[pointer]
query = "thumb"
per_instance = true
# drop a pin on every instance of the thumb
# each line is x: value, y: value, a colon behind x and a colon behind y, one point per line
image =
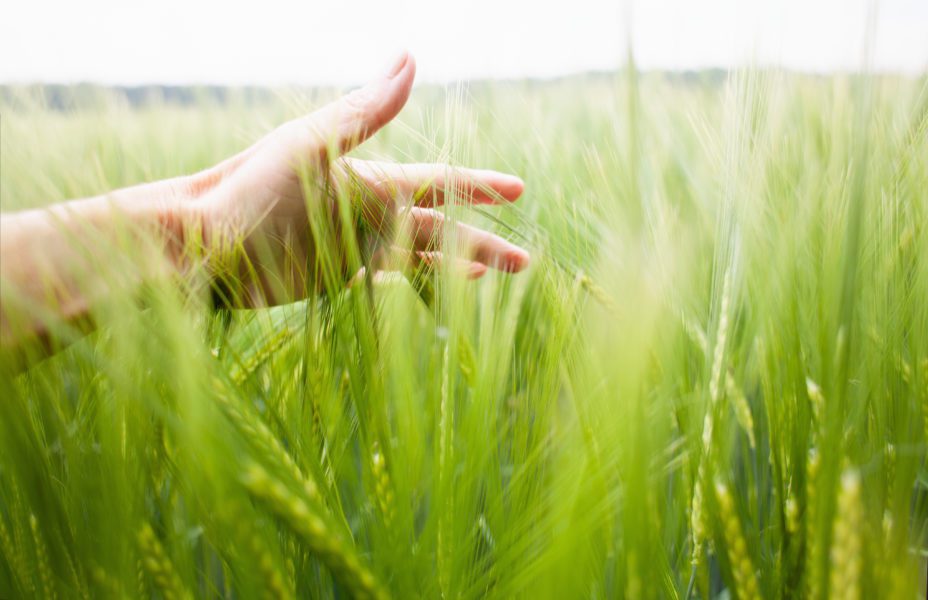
x: 353, y: 118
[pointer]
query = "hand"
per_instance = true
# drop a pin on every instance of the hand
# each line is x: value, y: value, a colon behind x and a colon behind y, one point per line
x: 287, y: 217
x: 262, y: 201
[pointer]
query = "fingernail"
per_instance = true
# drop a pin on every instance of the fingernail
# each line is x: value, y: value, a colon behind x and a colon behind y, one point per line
x: 398, y: 63
x: 476, y: 270
x: 514, y: 188
x: 516, y: 260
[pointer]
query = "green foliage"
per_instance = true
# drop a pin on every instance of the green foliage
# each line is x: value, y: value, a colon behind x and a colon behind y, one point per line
x: 713, y: 379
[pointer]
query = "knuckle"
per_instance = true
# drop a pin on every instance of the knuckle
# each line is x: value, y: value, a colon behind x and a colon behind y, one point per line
x: 357, y: 102
x: 300, y: 133
x: 356, y: 107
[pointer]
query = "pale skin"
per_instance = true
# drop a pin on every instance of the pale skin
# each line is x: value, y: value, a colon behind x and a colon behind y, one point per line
x: 256, y: 199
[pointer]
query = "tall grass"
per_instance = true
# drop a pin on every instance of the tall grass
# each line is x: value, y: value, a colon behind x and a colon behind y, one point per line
x: 714, y: 377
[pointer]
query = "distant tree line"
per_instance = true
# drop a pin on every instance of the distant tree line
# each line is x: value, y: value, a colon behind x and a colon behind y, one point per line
x: 85, y: 96
x: 82, y: 96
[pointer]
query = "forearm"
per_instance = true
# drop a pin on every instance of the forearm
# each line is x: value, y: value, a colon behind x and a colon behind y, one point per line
x: 58, y: 263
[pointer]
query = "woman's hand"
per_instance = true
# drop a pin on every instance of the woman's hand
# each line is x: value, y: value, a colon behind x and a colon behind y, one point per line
x: 266, y: 217
x: 260, y: 201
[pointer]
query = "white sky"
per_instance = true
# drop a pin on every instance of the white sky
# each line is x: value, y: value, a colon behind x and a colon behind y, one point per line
x: 344, y: 42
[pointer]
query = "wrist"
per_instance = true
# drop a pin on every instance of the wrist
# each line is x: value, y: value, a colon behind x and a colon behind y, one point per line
x: 181, y: 220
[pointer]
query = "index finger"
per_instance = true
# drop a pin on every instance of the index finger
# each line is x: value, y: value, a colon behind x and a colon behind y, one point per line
x: 434, y: 184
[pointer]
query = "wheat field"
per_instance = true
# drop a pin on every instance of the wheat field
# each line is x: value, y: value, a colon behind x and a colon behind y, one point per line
x: 712, y: 382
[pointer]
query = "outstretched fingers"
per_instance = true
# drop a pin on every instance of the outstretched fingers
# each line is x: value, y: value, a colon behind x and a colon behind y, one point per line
x: 425, y: 184
x: 403, y: 259
x: 428, y: 232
